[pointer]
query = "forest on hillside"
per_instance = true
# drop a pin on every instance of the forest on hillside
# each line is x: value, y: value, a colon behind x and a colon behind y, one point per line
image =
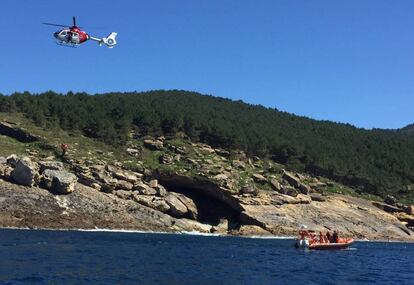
x: 375, y: 161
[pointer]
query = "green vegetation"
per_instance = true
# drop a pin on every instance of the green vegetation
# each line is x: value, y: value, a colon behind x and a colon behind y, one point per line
x: 372, y: 161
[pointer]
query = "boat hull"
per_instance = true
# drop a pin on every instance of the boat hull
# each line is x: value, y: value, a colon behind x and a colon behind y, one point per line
x: 331, y: 246
x: 342, y: 244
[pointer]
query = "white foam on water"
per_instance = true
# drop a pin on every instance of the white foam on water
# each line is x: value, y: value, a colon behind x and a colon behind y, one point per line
x: 269, y: 237
x: 120, y: 231
x: 195, y: 233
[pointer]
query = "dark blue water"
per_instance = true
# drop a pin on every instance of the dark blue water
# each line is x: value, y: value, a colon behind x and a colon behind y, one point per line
x: 68, y: 257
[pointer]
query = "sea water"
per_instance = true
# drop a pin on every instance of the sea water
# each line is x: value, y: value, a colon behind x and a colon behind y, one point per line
x: 77, y: 257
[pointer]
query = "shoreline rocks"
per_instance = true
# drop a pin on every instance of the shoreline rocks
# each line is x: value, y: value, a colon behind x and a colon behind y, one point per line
x: 155, y: 196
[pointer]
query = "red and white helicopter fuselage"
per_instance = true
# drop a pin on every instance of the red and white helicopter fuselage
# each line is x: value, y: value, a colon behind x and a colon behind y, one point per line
x: 74, y: 36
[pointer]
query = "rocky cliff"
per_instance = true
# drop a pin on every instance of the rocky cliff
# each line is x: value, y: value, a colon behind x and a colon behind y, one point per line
x: 175, y: 185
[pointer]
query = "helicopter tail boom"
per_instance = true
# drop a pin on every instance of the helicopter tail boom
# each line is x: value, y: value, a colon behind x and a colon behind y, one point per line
x: 109, y: 41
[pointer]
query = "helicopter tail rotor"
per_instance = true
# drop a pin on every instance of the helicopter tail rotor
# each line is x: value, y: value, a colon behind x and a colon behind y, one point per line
x: 109, y: 41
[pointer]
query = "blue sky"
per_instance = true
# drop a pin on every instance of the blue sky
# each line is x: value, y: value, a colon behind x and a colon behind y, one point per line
x: 348, y: 61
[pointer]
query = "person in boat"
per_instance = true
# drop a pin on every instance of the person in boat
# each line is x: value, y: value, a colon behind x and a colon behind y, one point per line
x: 321, y: 238
x: 328, y: 236
x: 335, y: 237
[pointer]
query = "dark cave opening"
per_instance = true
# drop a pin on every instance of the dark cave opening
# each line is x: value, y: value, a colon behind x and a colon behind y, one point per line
x: 210, y: 209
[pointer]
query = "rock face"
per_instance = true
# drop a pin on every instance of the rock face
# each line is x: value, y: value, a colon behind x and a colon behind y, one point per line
x: 25, y: 172
x: 150, y: 198
x: 250, y: 230
x: 192, y: 211
x: 63, y: 182
x: 85, y: 208
x: 351, y: 216
x: 177, y: 208
x: 17, y: 133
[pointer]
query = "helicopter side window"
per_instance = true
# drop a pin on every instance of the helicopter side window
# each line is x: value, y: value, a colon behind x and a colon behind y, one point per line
x: 63, y: 33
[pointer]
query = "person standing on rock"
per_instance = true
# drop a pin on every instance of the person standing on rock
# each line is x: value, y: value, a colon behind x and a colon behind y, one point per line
x: 64, y: 148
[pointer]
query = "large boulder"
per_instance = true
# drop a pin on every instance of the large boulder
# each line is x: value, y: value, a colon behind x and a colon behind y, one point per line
x: 161, y: 191
x: 144, y: 189
x: 291, y: 179
x: 106, y: 188
x: 5, y: 169
x: 390, y: 200
x: 60, y: 181
x: 410, y: 209
x: 221, y: 177
x: 305, y: 189
x: 103, y: 178
x: 153, y: 144
x: 387, y: 207
x: 222, y: 152
x: 125, y: 175
x: 404, y: 217
x: 192, y: 211
x: 191, y: 226
x: 252, y: 230
x: 275, y: 184
x: 177, y: 208
x: 52, y: 165
x: 25, y: 172
x: 86, y: 179
x: 239, y: 164
x: 166, y: 159
x: 207, y: 149
x: 132, y: 151
x: 153, y: 183
x: 294, y: 181
x: 288, y: 190
x: 317, y: 197
x: 3, y: 160
x: 123, y: 185
x: 177, y: 149
x: 155, y: 203
x: 12, y: 160
x: 248, y: 189
x: 222, y: 227
x: 259, y: 178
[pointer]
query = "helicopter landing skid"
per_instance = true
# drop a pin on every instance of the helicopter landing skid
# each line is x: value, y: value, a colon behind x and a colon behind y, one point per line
x: 65, y: 44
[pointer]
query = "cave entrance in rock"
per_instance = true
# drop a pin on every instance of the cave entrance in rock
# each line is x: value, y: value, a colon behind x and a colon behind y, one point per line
x: 210, y: 209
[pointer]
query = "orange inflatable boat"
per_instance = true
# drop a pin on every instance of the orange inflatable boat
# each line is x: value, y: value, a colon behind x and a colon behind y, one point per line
x: 309, y: 239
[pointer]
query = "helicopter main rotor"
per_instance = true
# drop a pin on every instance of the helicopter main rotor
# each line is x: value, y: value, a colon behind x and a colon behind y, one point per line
x: 64, y: 26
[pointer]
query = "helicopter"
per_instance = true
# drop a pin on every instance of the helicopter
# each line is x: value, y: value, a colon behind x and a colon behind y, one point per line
x: 73, y: 36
